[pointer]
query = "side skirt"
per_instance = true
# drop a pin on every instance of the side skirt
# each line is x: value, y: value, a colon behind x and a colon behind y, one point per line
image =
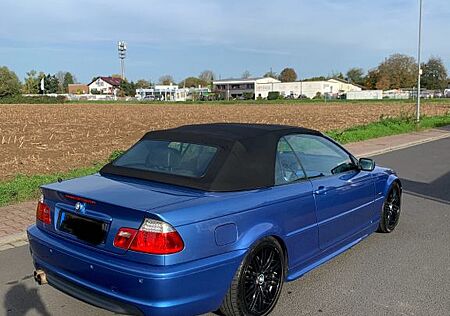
x: 329, y: 253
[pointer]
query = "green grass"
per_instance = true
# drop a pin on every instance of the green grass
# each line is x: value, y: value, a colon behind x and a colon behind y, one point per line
x: 43, y: 99
x: 387, y: 127
x: 23, y: 188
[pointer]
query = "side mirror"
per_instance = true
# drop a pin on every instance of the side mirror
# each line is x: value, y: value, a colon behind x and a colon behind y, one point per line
x: 366, y: 164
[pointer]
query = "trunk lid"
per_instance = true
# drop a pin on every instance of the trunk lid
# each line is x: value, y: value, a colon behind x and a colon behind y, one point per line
x: 90, y: 210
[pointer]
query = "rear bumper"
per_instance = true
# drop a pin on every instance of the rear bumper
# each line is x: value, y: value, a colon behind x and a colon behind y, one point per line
x: 114, y: 283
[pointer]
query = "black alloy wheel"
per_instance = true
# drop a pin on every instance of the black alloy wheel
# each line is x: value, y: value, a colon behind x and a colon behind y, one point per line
x: 258, y: 282
x: 391, y: 210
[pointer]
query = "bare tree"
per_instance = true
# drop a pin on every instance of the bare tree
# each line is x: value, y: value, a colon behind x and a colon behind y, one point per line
x: 207, y: 76
x: 246, y: 74
x: 271, y: 74
x: 166, y: 80
x: 60, y: 76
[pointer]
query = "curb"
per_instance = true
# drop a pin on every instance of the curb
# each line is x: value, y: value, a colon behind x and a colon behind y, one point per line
x: 405, y: 145
x: 13, y: 241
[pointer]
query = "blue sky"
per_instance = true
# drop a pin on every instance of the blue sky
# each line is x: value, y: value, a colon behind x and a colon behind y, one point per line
x: 182, y: 38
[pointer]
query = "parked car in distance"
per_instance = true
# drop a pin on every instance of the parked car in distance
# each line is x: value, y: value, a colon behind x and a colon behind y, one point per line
x: 208, y: 217
x: 438, y: 94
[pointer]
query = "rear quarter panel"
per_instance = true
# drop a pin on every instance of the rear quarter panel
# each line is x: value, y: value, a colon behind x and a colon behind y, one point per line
x: 286, y: 212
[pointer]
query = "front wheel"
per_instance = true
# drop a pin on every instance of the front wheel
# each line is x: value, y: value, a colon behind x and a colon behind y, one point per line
x: 390, y: 214
x: 257, y: 284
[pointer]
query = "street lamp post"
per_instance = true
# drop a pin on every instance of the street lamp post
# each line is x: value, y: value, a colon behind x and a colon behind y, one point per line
x: 122, y: 48
x: 419, y: 61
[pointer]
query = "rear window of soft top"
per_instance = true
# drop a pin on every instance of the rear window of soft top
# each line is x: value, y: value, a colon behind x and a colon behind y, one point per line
x: 169, y: 157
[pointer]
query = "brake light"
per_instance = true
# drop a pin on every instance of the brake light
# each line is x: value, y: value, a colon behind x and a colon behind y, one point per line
x: 43, y: 212
x: 154, y: 237
x: 79, y: 199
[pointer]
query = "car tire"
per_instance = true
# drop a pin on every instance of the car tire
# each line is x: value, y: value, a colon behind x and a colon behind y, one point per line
x: 257, y: 284
x: 390, y: 213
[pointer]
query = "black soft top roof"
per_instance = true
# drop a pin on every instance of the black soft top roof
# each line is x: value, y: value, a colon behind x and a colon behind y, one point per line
x: 245, y: 159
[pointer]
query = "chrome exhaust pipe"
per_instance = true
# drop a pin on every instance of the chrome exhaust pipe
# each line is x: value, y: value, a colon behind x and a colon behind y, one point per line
x: 40, y: 277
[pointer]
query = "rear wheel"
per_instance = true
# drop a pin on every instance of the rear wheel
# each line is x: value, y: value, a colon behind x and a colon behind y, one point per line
x: 257, y: 284
x: 390, y: 214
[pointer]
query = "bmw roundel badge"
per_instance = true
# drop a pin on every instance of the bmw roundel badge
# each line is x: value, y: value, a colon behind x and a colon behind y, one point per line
x: 79, y: 207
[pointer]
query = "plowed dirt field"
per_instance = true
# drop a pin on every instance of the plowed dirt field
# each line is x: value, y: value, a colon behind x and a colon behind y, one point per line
x: 49, y: 138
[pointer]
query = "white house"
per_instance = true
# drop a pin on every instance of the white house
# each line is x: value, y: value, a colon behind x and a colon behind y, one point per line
x: 237, y: 88
x: 307, y: 89
x: 296, y: 89
x: 163, y: 93
x: 105, y: 85
x: 260, y: 88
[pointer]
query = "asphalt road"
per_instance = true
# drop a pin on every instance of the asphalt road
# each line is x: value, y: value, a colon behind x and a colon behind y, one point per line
x: 403, y: 273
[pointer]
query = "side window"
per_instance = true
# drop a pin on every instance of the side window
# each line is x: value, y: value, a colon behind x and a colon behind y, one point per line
x: 319, y: 156
x: 287, y: 166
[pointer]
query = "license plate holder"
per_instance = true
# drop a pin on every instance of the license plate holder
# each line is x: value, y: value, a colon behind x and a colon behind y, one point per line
x: 86, y: 229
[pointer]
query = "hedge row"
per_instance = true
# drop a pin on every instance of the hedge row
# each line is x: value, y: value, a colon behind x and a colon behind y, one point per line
x: 32, y: 100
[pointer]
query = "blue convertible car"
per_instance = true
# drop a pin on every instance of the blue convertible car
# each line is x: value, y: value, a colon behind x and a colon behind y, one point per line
x: 209, y: 217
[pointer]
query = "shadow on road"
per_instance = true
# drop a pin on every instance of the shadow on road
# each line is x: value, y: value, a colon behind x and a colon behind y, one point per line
x: 19, y: 300
x: 438, y: 190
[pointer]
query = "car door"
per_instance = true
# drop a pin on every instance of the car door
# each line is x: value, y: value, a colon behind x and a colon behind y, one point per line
x: 344, y: 194
x: 297, y: 210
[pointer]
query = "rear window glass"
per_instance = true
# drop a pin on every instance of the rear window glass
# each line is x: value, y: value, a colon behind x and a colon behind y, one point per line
x: 177, y: 158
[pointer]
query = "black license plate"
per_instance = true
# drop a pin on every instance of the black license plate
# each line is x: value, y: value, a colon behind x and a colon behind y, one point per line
x: 86, y: 229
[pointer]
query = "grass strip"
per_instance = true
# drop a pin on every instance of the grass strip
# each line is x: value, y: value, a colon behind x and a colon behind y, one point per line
x: 387, y: 127
x: 23, y: 187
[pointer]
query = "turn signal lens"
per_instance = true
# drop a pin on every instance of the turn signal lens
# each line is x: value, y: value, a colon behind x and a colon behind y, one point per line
x: 154, y: 237
x: 43, y: 212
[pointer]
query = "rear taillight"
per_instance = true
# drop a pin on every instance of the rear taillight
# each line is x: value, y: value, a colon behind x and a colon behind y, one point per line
x: 43, y: 212
x: 124, y: 237
x: 155, y: 237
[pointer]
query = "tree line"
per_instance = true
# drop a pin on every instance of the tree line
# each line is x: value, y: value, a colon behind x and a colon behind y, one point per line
x: 398, y: 71
x: 57, y: 83
x: 395, y: 72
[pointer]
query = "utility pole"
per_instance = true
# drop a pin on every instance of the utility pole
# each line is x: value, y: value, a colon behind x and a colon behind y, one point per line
x: 419, y: 50
x: 122, y: 48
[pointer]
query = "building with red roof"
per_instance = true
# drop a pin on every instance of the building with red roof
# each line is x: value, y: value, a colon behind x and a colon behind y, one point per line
x: 104, y: 85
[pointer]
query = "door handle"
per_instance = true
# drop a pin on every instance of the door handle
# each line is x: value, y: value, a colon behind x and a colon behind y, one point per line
x: 320, y: 191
